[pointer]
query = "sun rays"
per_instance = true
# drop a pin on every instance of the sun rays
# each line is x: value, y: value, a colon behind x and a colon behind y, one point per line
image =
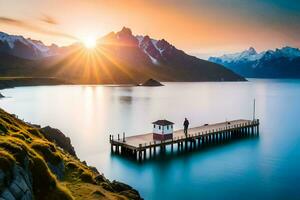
x: 92, y: 63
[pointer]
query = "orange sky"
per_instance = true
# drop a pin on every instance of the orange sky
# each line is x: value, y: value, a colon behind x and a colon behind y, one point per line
x: 202, y: 28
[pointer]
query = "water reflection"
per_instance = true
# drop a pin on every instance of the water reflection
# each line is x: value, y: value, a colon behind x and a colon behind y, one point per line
x: 125, y: 99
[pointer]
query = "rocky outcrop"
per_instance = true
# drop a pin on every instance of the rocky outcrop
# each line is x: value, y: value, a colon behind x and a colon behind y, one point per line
x: 55, y: 135
x: 152, y: 82
x: 125, y: 190
x: 16, y: 184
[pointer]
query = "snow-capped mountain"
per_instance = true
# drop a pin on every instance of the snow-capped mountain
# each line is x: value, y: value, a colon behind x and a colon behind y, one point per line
x: 149, y: 47
x: 247, y: 55
x: 278, y: 63
x: 157, y: 50
x: 252, y: 55
x: 153, y: 48
x: 287, y: 52
x: 24, y: 48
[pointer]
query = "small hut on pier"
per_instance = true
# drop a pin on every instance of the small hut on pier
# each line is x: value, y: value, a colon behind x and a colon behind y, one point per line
x: 162, y: 130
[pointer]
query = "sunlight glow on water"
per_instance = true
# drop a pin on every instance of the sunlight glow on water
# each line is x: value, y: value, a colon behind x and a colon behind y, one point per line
x: 262, y: 168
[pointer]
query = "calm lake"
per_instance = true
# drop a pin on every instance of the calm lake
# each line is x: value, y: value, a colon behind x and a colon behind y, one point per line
x: 263, y: 168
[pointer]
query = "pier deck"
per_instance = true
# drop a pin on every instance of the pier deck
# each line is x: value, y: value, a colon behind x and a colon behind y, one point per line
x: 205, y: 134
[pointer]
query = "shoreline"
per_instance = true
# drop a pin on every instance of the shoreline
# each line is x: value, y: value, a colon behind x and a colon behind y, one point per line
x: 12, y: 82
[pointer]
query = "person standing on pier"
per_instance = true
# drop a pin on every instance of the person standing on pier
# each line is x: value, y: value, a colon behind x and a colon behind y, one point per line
x: 186, y: 126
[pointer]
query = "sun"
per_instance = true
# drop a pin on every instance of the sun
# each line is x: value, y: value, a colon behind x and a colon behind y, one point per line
x: 89, y: 42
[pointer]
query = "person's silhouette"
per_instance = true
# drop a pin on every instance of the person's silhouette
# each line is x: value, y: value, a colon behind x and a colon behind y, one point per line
x: 186, y: 126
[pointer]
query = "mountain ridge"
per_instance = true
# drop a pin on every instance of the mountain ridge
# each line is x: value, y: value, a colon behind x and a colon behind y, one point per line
x: 18, y: 46
x: 279, y: 63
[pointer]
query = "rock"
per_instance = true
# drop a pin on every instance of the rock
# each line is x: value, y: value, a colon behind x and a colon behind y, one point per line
x: 87, y: 178
x: 125, y: 190
x: 19, y: 187
x: 131, y: 194
x: 55, y: 135
x: 107, y: 187
x: 7, y: 195
x: 99, y: 179
x: 152, y: 83
x: 27, y: 196
x: 2, y: 179
x: 34, y: 125
x: 94, y: 169
x: 22, y: 185
x: 1, y: 96
x: 119, y: 187
x: 16, y: 190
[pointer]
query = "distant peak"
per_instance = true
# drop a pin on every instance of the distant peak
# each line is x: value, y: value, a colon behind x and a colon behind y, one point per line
x: 126, y: 31
x: 252, y: 50
x: 125, y: 36
x: 164, y: 42
x: 146, y: 39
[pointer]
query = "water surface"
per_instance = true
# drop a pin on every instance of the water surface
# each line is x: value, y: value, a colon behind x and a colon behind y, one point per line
x: 262, y: 168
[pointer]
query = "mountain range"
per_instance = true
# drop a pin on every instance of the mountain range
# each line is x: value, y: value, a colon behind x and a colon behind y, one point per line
x: 24, y: 48
x: 119, y: 57
x: 278, y: 63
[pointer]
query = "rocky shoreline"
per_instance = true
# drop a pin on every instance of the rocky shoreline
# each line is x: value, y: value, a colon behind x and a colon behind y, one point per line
x: 41, y: 163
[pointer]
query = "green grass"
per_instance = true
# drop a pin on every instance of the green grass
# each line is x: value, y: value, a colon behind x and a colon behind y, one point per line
x: 48, y: 151
x: 45, y: 184
x: 18, y: 135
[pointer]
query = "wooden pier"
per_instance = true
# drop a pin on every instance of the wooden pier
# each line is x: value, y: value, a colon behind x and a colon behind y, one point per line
x: 142, y: 146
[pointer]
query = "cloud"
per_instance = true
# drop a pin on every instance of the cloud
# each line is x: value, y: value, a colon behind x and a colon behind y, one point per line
x: 34, y: 28
x: 48, y: 19
x: 6, y: 20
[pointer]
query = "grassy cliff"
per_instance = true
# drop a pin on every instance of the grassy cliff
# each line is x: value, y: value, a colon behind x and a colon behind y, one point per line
x: 45, y: 171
